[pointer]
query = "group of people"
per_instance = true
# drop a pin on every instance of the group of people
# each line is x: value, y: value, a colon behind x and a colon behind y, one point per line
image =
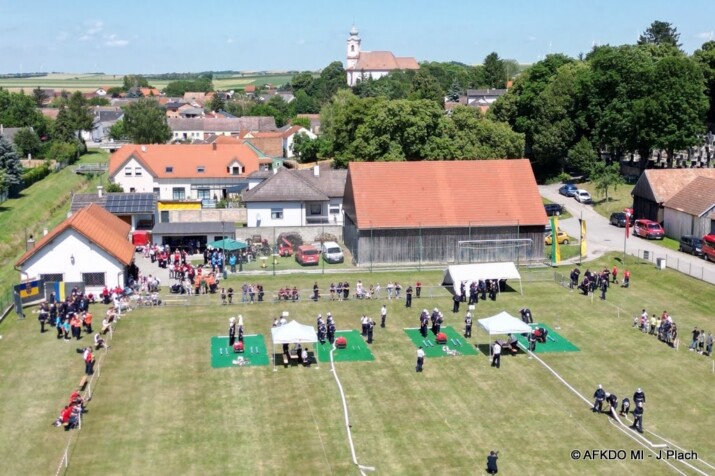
x: 600, y: 396
x: 663, y: 327
x: 701, y: 343
x: 288, y: 294
x: 436, y: 318
x: 70, y: 316
x: 326, y: 328
x: 70, y: 415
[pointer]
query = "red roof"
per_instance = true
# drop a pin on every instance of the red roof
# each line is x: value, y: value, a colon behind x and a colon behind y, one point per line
x: 99, y: 226
x: 443, y: 194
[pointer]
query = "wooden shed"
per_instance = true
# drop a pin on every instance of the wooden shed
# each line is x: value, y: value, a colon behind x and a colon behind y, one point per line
x: 657, y: 186
x: 688, y: 212
x: 443, y: 212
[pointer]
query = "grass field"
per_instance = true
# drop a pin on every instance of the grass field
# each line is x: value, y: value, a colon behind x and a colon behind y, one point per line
x: 159, y: 408
x: 618, y: 199
x: 91, y: 82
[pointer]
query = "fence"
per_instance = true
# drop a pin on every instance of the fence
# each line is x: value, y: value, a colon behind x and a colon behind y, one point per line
x: 686, y: 264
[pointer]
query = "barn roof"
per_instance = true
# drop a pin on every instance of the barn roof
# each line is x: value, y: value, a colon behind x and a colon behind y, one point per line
x: 660, y: 185
x: 696, y: 198
x: 443, y: 194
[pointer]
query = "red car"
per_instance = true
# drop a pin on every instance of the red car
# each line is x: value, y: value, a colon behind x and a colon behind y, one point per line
x: 648, y: 229
x: 307, y: 254
x: 708, y: 247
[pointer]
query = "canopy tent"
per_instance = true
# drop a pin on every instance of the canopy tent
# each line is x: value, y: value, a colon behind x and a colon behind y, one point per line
x: 502, y: 324
x: 294, y: 333
x: 228, y: 244
x: 456, y: 274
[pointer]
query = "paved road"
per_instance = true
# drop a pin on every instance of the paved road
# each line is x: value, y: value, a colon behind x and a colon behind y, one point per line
x: 602, y: 237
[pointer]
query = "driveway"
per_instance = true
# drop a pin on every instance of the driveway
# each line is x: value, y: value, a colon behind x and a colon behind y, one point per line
x: 602, y: 237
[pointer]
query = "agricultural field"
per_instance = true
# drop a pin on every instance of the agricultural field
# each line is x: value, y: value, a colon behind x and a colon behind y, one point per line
x: 159, y: 405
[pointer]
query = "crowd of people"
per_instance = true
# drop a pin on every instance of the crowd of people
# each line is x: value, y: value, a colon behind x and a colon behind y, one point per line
x: 600, y: 396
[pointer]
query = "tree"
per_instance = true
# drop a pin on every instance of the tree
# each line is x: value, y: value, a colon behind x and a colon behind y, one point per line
x: 330, y: 81
x: 64, y: 152
x: 307, y: 149
x: 301, y: 121
x: 39, y: 96
x: 494, y: 71
x: 80, y: 113
x: 19, y: 110
x: 705, y: 57
x: 216, y: 103
x: 605, y: 176
x: 26, y: 142
x: 304, y: 104
x: 63, y: 129
x: 425, y: 86
x: 113, y: 187
x: 582, y: 157
x: 99, y: 101
x: 145, y: 122
x: 117, y: 132
x: 454, y: 91
x: 134, y: 81
x: 9, y: 164
x: 301, y: 82
x: 660, y: 33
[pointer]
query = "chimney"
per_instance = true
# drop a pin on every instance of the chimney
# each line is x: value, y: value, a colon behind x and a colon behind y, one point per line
x: 143, y: 148
x: 99, y: 191
x: 316, y: 170
x: 275, y: 170
x: 44, y: 231
x: 213, y: 146
x: 30, y: 243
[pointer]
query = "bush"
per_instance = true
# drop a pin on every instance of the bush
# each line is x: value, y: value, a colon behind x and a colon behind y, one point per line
x: 35, y: 174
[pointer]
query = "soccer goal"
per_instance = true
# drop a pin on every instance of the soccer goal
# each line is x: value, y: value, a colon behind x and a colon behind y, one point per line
x: 504, y: 249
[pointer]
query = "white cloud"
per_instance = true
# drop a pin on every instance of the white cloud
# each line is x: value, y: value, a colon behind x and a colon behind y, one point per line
x: 706, y: 35
x: 114, y: 41
x: 90, y: 28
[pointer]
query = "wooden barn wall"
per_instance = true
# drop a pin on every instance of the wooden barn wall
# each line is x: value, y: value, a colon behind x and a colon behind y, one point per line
x: 440, y: 245
x: 351, y: 236
x: 645, y: 208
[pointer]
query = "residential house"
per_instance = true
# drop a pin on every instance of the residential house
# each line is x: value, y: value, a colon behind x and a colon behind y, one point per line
x: 91, y: 246
x: 201, y: 127
x: 288, y: 136
x: 104, y: 118
x: 139, y: 210
x: 9, y: 133
x: 296, y: 198
x: 314, y: 122
x: 183, y: 176
x: 483, y: 98
x: 656, y: 186
x: 270, y: 143
x: 362, y: 65
x: 689, y: 211
x: 197, y: 97
x: 173, y: 106
x: 443, y: 212
x: 147, y: 92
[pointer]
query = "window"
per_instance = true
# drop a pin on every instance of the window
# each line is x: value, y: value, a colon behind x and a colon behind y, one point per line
x: 276, y: 213
x: 169, y: 169
x: 128, y: 171
x: 334, y: 209
x: 234, y: 170
x: 93, y: 279
x: 52, y: 277
x: 315, y: 208
x: 132, y: 190
x: 164, y: 216
x: 156, y: 190
x: 203, y: 194
x: 138, y: 171
x: 178, y: 193
x: 200, y: 169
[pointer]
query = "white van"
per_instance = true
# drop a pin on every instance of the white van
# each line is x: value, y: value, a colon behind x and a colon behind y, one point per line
x: 332, y: 252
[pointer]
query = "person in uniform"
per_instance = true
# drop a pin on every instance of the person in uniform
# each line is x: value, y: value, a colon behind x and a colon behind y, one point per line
x: 383, y: 315
x: 604, y: 288
x: 473, y: 296
x: 468, y: 325
x: 231, y: 331
x: 625, y: 406
x: 322, y: 331
x: 331, y: 331
x: 496, y: 354
x: 424, y: 319
x: 599, y: 396
x: 526, y: 315
x: 639, y: 397
x: 438, y: 323
x: 638, y: 418
x: 613, y: 402
x: 408, y: 297
x: 370, y: 329
x: 433, y: 318
x: 364, y: 323
x: 457, y: 298
x: 418, y: 289
x: 420, y: 359
x: 482, y: 287
x: 532, y: 341
x: 492, y: 462
x: 44, y: 316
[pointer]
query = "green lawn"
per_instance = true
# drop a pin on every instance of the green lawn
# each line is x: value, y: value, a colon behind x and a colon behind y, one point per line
x: 42, y: 205
x: 618, y: 199
x: 159, y: 408
x: 563, y: 215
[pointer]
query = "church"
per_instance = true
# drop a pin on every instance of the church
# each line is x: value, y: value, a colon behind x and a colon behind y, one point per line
x: 372, y: 64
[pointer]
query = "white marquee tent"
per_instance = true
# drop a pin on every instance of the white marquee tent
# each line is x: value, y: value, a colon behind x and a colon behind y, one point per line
x: 454, y: 275
x: 502, y: 324
x: 293, y: 333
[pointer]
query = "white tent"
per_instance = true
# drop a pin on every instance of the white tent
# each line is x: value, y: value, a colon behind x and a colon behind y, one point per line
x: 294, y: 333
x: 456, y: 274
x: 502, y: 324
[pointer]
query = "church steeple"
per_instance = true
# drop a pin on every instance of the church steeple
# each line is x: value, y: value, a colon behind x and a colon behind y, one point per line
x: 353, y: 48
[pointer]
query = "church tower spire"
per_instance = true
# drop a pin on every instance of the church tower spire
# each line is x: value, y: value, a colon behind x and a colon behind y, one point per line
x: 353, y: 48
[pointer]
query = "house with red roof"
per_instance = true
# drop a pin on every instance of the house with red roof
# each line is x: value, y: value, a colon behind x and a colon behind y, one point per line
x: 184, y: 172
x: 691, y: 210
x: 91, y: 246
x: 443, y: 212
x: 362, y: 65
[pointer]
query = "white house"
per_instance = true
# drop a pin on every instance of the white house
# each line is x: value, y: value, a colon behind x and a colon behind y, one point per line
x: 91, y: 246
x: 199, y: 128
x: 297, y: 198
x: 289, y: 135
x: 184, y: 172
x: 362, y: 65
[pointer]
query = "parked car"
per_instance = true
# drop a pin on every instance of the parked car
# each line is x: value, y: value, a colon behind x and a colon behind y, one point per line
x: 619, y: 219
x: 561, y: 238
x: 332, y: 252
x: 307, y: 254
x: 568, y: 190
x: 648, y: 229
x: 582, y: 196
x: 691, y: 244
x: 553, y: 209
x: 708, y: 247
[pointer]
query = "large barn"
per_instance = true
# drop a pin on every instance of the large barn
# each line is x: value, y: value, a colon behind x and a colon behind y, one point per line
x: 657, y: 186
x: 443, y: 212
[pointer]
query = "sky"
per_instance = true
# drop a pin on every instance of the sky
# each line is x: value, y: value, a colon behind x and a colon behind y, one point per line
x: 159, y: 36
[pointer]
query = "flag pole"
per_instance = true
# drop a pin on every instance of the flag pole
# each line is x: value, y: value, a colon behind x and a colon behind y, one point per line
x: 580, y: 247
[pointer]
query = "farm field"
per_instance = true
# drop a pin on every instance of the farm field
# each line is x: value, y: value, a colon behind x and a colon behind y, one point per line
x: 159, y: 407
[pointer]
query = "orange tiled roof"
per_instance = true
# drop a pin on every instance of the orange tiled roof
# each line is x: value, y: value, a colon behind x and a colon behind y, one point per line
x: 383, y: 60
x: 665, y: 183
x: 183, y: 159
x: 443, y: 194
x: 696, y: 198
x: 99, y: 226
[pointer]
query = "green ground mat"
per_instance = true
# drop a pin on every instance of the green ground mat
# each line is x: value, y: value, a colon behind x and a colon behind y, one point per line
x: 434, y: 349
x: 223, y: 356
x: 554, y: 342
x: 356, y: 350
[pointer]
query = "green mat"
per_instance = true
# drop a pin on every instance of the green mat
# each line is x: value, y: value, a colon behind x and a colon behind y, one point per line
x: 356, y: 350
x: 554, y: 342
x: 223, y: 356
x: 434, y: 349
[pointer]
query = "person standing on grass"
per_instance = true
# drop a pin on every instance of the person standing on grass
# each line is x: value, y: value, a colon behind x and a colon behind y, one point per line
x: 424, y: 319
x: 418, y: 289
x: 496, y: 355
x: 694, y: 342
x: 468, y: 325
x: 383, y: 315
x: 598, y: 397
x: 370, y: 329
x: 604, y: 288
x: 408, y: 297
x: 231, y: 331
x: 709, y: 344
x: 638, y: 418
x: 420, y: 359
x: 492, y: 462
x: 614, y: 274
